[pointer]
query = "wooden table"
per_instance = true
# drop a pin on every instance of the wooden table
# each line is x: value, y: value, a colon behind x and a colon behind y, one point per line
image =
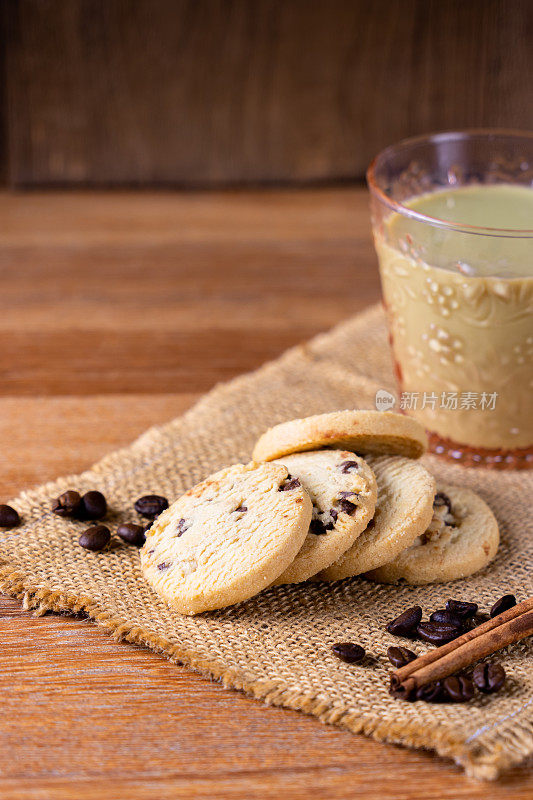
x: 117, y: 311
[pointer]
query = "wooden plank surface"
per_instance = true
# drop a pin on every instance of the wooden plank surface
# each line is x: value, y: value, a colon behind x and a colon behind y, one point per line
x: 83, y: 716
x: 231, y: 91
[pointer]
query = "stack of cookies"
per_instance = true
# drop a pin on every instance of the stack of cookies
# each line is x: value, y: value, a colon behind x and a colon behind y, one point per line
x: 325, y: 498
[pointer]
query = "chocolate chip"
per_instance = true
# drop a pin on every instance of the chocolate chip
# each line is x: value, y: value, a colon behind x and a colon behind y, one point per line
x: 164, y: 565
x: 437, y: 633
x: 461, y: 608
x: 347, y: 506
x: 317, y: 527
x: 459, y: 688
x: 348, y: 466
x: 93, y: 506
x: 348, y: 494
x: 67, y: 504
x: 431, y: 692
x: 241, y: 509
x: 442, y: 499
x: 333, y: 514
x: 9, y: 518
x: 289, y: 485
x: 400, y: 656
x: 183, y: 526
x: 406, y: 623
x: 151, y: 505
x: 445, y: 617
x: 349, y: 652
x: 489, y: 677
x: 95, y: 538
x: 503, y: 604
x: 132, y: 533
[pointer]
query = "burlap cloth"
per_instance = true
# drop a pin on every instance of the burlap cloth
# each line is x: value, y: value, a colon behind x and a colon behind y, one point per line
x: 276, y: 647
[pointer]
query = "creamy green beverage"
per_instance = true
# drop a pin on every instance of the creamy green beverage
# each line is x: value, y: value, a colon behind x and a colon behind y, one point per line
x: 460, y: 306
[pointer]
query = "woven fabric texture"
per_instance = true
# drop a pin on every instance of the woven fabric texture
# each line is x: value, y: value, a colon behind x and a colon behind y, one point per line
x: 276, y: 647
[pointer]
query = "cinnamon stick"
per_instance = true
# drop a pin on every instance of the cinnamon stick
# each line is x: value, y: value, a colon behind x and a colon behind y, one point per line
x: 511, y: 626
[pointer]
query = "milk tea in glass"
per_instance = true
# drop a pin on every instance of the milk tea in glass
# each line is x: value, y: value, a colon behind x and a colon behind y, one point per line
x: 452, y: 216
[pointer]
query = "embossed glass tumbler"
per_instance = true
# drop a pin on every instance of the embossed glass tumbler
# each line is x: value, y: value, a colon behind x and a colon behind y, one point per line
x: 452, y: 216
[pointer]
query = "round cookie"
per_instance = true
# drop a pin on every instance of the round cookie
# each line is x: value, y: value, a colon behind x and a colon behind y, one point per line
x: 403, y: 511
x: 358, y: 431
x: 461, y: 539
x: 227, y: 538
x: 343, y: 491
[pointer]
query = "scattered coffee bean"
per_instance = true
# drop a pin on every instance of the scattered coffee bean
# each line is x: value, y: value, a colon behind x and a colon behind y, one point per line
x: 462, y: 609
x: 289, y: 485
x: 347, y: 506
x: 406, y: 624
x: 317, y: 527
x: 489, y: 677
x: 459, y: 688
x: 93, y: 506
x: 9, y: 518
x: 131, y: 533
x: 95, y: 538
x: 67, y: 504
x: 400, y: 656
x: 437, y: 633
x: 503, y: 604
x: 348, y: 466
x: 349, y: 652
x: 431, y: 693
x: 444, y: 617
x: 442, y: 499
x: 151, y: 505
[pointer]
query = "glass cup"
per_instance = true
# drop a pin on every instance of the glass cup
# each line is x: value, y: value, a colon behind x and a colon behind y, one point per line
x: 452, y: 217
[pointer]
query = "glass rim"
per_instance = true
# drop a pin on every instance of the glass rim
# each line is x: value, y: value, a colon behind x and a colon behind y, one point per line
x: 436, y: 138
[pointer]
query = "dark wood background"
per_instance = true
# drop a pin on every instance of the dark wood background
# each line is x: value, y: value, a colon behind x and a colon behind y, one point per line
x: 215, y: 92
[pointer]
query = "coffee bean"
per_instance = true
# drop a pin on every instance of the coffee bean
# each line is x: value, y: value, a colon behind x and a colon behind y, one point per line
x: 147, y: 527
x: 406, y: 623
x: 289, y: 485
x: 151, y: 505
x: 503, y: 604
x: 444, y: 617
x: 131, y: 533
x: 349, y: 652
x: 348, y: 466
x: 437, y: 633
x: 489, y: 677
x: 317, y: 527
x: 459, y: 688
x: 95, y: 538
x: 442, y: 499
x: 347, y: 506
x: 462, y: 609
x: 9, y: 518
x: 67, y: 504
x: 400, y: 656
x: 93, y: 506
x: 431, y: 692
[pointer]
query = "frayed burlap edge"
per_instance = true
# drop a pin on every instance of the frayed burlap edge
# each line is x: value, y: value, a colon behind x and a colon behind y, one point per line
x: 483, y: 760
x: 478, y: 761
